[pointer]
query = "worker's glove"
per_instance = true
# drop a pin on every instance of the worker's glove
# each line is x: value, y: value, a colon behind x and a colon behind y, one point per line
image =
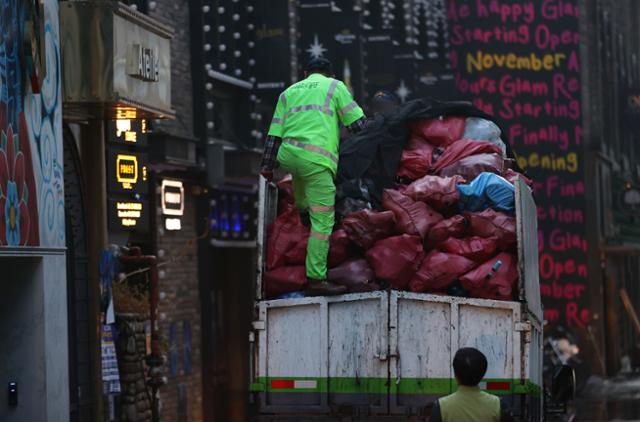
x: 267, y: 174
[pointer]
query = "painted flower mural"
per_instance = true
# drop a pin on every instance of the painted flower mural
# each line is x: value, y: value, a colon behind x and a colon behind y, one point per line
x: 19, y: 218
x: 17, y: 197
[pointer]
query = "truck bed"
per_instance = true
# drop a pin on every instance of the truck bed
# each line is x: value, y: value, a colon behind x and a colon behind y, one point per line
x: 389, y: 353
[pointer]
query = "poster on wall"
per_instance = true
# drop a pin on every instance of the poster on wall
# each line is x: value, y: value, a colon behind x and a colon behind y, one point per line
x: 272, y: 49
x: 520, y: 63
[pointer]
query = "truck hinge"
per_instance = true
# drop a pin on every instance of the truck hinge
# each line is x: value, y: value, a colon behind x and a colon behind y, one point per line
x: 258, y: 325
x: 525, y: 328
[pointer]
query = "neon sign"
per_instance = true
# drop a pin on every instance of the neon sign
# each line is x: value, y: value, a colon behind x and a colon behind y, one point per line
x: 172, y: 197
x: 127, y: 170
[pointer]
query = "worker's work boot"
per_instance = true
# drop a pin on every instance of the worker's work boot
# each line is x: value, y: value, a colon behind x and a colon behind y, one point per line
x: 323, y: 288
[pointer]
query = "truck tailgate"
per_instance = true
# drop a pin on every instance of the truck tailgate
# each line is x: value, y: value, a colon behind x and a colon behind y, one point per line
x: 393, y: 356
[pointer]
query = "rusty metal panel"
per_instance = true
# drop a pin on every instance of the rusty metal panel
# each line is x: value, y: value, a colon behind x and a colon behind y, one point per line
x: 527, y: 226
x: 357, y: 351
x: 305, y: 345
x: 492, y: 331
x: 267, y: 210
x: 420, y: 344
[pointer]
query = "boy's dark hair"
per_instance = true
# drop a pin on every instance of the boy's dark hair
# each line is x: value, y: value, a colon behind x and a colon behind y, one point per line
x: 469, y: 366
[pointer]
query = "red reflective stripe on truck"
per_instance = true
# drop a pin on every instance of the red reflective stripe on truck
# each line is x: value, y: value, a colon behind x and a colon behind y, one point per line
x: 496, y: 385
x: 278, y: 384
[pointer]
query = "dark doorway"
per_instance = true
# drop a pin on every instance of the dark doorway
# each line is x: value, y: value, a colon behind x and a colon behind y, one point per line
x: 80, y: 374
x: 227, y: 277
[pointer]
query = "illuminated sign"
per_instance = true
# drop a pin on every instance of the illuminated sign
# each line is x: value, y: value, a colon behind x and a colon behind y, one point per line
x: 127, y: 170
x: 172, y: 197
x: 173, y: 224
x: 128, y: 215
x: 127, y: 173
x: 233, y: 214
x: 127, y: 131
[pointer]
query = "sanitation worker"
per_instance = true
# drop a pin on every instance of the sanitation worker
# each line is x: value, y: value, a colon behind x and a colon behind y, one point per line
x: 303, y: 139
x: 470, y: 403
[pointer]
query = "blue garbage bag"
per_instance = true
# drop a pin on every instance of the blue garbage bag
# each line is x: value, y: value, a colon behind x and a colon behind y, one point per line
x: 291, y: 295
x: 488, y: 190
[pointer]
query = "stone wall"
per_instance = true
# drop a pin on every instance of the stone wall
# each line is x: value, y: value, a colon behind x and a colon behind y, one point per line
x: 132, y: 349
x: 180, y: 318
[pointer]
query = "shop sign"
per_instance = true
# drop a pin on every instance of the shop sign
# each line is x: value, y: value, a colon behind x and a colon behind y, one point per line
x: 172, y: 224
x: 136, y: 50
x: 143, y: 63
x: 127, y: 172
x: 127, y: 132
x: 126, y: 214
x: 172, y: 201
x: 172, y: 197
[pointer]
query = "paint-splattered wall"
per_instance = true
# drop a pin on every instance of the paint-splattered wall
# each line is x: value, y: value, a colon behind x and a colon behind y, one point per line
x: 31, y: 176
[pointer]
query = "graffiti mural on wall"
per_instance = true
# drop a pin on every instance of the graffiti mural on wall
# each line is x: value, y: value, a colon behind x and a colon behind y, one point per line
x: 31, y: 176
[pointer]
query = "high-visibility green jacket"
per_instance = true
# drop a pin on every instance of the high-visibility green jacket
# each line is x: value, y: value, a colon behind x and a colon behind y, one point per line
x: 306, y: 118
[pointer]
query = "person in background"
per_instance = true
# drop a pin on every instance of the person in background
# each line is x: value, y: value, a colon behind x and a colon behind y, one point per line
x: 384, y: 102
x: 470, y: 403
x: 303, y: 138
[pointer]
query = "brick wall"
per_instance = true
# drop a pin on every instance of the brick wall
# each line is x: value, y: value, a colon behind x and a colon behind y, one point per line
x: 176, y: 14
x: 180, y: 319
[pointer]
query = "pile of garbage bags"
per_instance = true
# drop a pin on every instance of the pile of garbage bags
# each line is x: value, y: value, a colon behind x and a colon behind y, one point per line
x: 443, y: 224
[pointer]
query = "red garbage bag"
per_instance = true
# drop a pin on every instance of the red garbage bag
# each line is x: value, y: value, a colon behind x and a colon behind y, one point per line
x: 438, y: 270
x: 284, y: 234
x: 356, y: 275
x: 339, y: 248
x: 470, y: 167
x: 366, y: 227
x: 441, y: 131
x: 455, y: 226
x: 412, y: 217
x: 297, y: 255
x: 511, y: 175
x: 495, y: 279
x: 439, y: 192
x: 462, y: 149
x: 417, y: 143
x: 286, y: 199
x: 478, y: 249
x: 491, y: 223
x: 414, y: 163
x: 285, y: 280
x: 396, y: 259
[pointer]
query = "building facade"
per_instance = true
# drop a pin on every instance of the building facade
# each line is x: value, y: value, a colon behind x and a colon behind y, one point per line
x: 33, y: 320
x: 611, y: 82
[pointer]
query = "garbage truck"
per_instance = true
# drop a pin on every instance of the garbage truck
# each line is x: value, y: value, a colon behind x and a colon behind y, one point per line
x: 387, y: 354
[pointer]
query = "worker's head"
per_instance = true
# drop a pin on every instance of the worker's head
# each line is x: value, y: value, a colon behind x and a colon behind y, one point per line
x: 469, y: 366
x: 384, y: 102
x: 319, y: 65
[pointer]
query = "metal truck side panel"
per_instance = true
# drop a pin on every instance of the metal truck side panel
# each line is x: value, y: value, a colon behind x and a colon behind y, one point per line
x: 527, y: 227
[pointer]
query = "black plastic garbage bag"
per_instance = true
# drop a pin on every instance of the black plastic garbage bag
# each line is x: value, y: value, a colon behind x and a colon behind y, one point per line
x: 375, y: 152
